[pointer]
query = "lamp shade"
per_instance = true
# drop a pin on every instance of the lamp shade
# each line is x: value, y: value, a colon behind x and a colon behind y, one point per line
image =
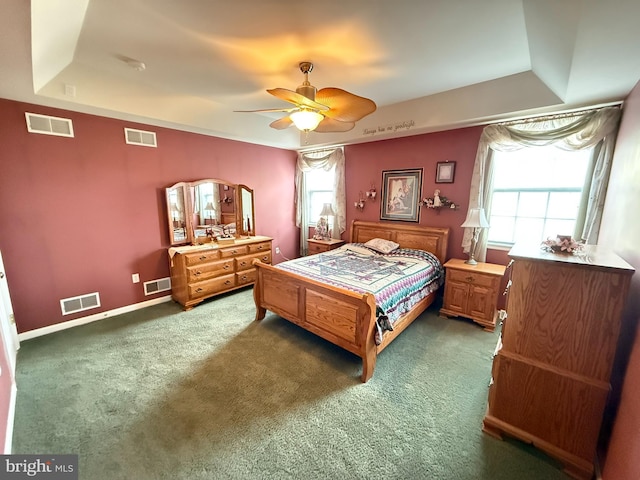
x: 306, y: 120
x: 327, y: 210
x: 209, y: 206
x: 476, y: 219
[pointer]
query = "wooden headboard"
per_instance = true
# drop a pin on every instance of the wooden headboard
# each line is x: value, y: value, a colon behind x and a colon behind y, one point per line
x: 431, y: 239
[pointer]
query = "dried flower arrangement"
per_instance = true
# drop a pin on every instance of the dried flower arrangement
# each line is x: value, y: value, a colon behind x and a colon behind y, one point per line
x: 561, y: 244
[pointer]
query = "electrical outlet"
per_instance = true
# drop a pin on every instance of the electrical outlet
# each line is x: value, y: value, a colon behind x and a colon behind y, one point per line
x: 277, y: 250
x: 135, y: 278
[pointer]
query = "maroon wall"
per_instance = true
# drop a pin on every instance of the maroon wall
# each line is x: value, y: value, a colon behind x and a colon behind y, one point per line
x: 80, y: 215
x: 620, y: 230
x: 365, y: 163
x: 87, y: 212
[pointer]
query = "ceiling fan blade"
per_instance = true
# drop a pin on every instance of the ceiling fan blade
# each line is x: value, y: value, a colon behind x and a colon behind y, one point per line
x: 329, y: 124
x: 344, y: 106
x: 292, y: 109
x: 282, y: 123
x: 297, y: 99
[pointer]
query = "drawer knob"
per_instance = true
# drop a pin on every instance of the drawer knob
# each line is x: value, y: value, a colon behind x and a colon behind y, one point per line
x: 244, y: 277
x: 198, y: 289
x: 198, y: 272
x: 228, y: 282
x: 226, y: 267
x: 204, y: 257
x: 469, y: 279
x: 243, y: 263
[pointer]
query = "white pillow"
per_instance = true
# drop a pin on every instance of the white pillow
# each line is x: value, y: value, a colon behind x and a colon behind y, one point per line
x: 357, y: 249
x: 381, y: 245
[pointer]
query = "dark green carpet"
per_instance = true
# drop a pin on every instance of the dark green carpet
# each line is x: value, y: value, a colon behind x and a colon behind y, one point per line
x: 211, y: 394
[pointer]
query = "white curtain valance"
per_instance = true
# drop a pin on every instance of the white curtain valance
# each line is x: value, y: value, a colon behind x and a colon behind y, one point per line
x: 568, y: 133
x: 575, y: 132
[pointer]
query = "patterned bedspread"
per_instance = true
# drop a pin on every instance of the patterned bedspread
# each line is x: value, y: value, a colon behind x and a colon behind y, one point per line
x: 398, y: 280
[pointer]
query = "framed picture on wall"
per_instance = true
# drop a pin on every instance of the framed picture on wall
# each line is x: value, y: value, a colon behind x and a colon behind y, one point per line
x: 401, y: 195
x: 445, y: 172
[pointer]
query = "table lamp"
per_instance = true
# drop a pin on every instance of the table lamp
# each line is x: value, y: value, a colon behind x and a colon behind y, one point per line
x: 476, y: 220
x: 322, y: 229
x: 209, y: 208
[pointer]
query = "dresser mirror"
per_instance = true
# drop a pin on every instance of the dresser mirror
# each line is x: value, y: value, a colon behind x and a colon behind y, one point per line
x: 176, y: 209
x: 246, y: 210
x: 210, y: 207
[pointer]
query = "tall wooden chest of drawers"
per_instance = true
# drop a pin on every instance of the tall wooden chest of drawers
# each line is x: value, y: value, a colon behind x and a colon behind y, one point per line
x: 200, y: 272
x: 550, y: 378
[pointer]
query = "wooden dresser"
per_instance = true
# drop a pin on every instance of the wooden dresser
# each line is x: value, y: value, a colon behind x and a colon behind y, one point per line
x: 471, y: 291
x: 200, y: 272
x: 551, y: 371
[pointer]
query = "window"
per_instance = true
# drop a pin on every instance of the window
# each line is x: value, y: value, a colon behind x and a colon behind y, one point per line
x: 315, y: 186
x: 537, y: 193
x: 320, y: 184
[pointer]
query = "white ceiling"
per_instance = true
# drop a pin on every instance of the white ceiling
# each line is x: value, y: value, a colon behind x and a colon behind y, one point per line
x: 428, y: 64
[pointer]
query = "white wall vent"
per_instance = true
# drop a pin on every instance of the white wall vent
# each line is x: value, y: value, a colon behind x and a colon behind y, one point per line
x: 140, y: 137
x: 78, y: 304
x: 156, y: 286
x: 47, y: 125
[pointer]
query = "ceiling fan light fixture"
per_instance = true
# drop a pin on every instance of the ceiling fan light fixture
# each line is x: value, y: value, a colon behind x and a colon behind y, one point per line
x: 306, y: 120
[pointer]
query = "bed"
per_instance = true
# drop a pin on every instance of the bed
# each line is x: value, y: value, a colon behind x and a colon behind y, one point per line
x: 341, y: 315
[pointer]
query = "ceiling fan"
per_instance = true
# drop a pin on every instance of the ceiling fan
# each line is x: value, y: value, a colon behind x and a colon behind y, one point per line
x: 325, y: 110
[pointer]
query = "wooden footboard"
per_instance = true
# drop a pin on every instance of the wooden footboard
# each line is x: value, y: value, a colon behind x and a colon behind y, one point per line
x: 343, y: 317
x: 340, y: 316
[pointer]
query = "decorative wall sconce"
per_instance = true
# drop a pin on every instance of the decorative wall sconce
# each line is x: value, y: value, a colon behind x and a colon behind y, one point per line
x: 438, y: 201
x: 226, y: 199
x: 368, y: 195
x: 371, y: 193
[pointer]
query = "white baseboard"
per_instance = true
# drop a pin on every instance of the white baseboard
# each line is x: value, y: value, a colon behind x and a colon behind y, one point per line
x: 91, y: 318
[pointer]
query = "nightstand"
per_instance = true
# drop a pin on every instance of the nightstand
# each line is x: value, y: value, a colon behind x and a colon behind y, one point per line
x: 471, y: 291
x: 319, y: 246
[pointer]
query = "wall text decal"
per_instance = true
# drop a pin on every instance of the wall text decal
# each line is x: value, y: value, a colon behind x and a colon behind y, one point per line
x: 392, y: 127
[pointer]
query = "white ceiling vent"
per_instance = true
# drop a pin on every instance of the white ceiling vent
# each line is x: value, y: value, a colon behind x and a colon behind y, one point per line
x: 47, y: 125
x: 78, y: 304
x: 156, y: 286
x: 140, y: 137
